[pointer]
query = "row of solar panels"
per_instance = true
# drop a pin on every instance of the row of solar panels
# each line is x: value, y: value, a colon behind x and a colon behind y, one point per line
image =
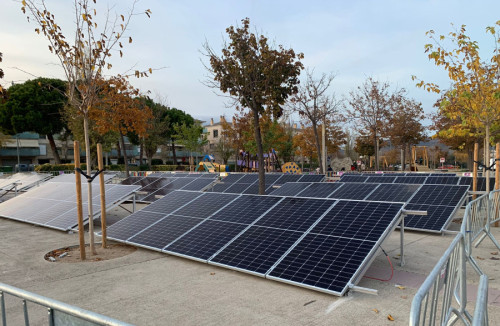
x: 449, y: 180
x: 440, y: 201
x: 249, y: 183
x: 408, y: 174
x: 160, y: 184
x: 321, y: 244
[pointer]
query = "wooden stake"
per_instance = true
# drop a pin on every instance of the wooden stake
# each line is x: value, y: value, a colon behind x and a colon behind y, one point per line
x: 497, y: 179
x: 474, y: 171
x: 79, y: 208
x: 100, y: 166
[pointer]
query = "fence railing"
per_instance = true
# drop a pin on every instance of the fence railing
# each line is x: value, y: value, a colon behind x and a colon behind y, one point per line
x: 59, y: 313
x: 481, y: 310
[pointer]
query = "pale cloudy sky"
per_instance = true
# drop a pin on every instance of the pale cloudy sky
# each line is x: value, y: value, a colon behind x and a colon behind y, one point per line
x: 355, y: 39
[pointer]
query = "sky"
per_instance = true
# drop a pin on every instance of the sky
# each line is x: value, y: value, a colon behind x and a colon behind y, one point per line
x: 382, y: 39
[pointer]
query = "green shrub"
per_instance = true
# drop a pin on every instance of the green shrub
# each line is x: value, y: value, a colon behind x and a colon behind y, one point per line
x: 57, y: 167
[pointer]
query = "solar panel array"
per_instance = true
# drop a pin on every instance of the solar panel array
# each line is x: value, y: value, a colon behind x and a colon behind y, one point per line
x: 53, y: 204
x: 160, y: 184
x: 441, y: 201
x: 22, y: 181
x: 321, y: 244
x: 240, y: 183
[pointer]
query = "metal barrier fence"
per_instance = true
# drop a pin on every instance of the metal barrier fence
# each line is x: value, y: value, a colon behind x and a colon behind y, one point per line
x: 59, y: 313
x: 443, y: 295
x: 481, y: 310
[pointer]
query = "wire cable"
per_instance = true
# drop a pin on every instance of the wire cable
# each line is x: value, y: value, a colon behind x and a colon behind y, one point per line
x: 392, y: 269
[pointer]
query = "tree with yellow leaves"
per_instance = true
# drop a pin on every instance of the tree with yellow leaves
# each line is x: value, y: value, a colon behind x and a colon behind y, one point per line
x: 474, y: 96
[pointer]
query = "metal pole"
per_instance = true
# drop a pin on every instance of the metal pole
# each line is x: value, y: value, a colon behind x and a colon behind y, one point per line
x: 2, y: 308
x: 103, y: 195
x: 18, y: 157
x: 323, y: 132
x: 497, y: 181
x: 25, y: 309
x: 79, y: 207
x: 402, y: 241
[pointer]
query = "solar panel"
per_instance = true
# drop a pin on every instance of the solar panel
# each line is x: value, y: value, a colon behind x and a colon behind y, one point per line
x: 320, y: 190
x: 312, y: 178
x: 353, y: 178
x: 70, y: 177
x: 417, y: 174
x: 296, y: 214
x: 254, y: 189
x: 481, y: 183
x: 287, y: 178
x: 198, y: 184
x: 442, y: 180
x: 132, y: 224
x: 410, y: 180
x: 237, y: 188
x: 354, y: 191
x: 172, y: 202
x: 249, y: 178
x: 164, y: 231
x: 271, y: 178
x: 176, y: 184
x: 381, y: 179
x: 290, y: 189
x: 443, y: 174
x: 257, y: 249
x: 436, y: 220
x: 232, y: 178
x: 440, y: 195
x: 246, y: 209
x: 205, y: 205
x: 131, y: 180
x: 323, y: 262
x: 393, y: 192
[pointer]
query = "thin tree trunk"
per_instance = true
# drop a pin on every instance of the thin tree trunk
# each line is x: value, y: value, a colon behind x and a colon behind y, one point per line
x: 318, y: 147
x: 89, y: 185
x: 470, y: 158
x: 141, y: 154
x: 174, y: 157
x: 260, y: 153
x: 118, y: 152
x: 403, y: 159
x: 53, y: 147
x: 125, y: 159
x: 150, y: 162
x: 376, y: 151
x: 487, y: 158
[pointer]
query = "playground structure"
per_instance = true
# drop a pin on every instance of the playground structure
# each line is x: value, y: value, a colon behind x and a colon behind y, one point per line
x: 245, y: 162
x: 207, y: 164
x: 382, y: 158
x: 424, y: 157
x: 291, y: 168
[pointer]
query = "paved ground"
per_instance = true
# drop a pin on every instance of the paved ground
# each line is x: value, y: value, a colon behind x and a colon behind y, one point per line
x: 150, y: 288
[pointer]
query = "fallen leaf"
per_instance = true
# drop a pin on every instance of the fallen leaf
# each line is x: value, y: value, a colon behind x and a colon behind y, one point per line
x: 395, y: 257
x: 480, y: 258
x: 494, y: 253
x: 212, y: 273
x: 400, y: 287
x: 495, y: 258
x: 376, y: 310
x: 390, y: 317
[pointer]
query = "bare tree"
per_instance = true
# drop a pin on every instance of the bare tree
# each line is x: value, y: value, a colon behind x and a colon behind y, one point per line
x: 370, y: 105
x: 315, y: 105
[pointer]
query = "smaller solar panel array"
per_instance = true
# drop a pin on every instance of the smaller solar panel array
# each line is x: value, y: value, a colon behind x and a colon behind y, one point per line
x: 22, y: 181
x: 320, y: 244
x: 160, y: 184
x: 249, y: 183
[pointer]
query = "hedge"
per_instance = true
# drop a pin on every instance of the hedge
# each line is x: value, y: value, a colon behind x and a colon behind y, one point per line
x: 57, y: 167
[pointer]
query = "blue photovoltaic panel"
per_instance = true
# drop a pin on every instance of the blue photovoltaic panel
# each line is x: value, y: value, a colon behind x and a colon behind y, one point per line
x: 320, y: 190
x: 131, y: 180
x: 393, y: 192
x: 249, y: 178
x: 257, y: 249
x: 232, y: 178
x: 145, y: 181
x: 354, y: 191
x: 198, y: 184
x: 312, y: 178
x: 323, y: 262
x: 254, y: 189
x: 237, y: 188
x: 287, y: 178
x: 221, y: 187
x: 442, y: 180
x: 417, y: 174
x: 168, y: 188
x: 481, y: 183
x: 440, y: 195
x: 411, y: 180
x: 206, y: 239
x: 381, y: 179
x: 132, y: 224
x: 172, y: 202
x: 358, y: 219
x: 164, y: 232
x: 353, y: 178
x: 290, y: 189
x: 436, y: 219
x: 245, y: 209
x: 205, y: 205
x: 271, y: 178
x: 296, y: 214
x: 443, y: 174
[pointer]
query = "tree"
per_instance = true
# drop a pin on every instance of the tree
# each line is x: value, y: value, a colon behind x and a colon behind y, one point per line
x: 404, y: 127
x: 224, y: 149
x: 84, y: 60
x: 314, y: 105
x: 1, y: 76
x: 36, y: 106
x: 176, y: 117
x: 474, y: 90
x: 370, y: 106
x: 256, y: 76
x: 120, y: 110
x: 191, y: 137
x: 363, y: 145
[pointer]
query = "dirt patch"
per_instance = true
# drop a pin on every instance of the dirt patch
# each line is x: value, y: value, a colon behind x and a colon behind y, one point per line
x: 72, y: 254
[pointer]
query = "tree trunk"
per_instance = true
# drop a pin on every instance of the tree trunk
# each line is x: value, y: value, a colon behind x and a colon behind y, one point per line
x: 403, y: 158
x: 141, y: 154
x: 375, y: 145
x: 125, y: 158
x: 89, y: 185
x: 53, y: 147
x: 174, y: 157
x: 150, y: 162
x: 470, y: 158
x: 260, y: 153
x: 118, y: 152
x: 318, y: 147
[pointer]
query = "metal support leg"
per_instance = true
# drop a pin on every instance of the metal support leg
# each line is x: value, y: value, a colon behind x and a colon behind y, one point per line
x: 133, y: 204
x: 402, y: 241
x: 2, y: 308
x: 25, y: 309
x: 51, y: 317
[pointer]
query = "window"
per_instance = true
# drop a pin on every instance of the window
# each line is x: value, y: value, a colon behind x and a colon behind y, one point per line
x: 216, y: 133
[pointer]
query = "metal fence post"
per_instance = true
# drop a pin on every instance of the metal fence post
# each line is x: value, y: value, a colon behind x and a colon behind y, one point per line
x: 2, y: 306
